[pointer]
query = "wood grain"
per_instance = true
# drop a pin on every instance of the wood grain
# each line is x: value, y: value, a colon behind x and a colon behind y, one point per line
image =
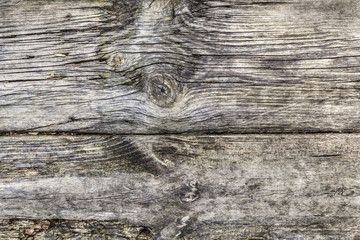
x: 132, y: 119
x: 179, y: 66
x: 200, y: 187
x: 15, y: 229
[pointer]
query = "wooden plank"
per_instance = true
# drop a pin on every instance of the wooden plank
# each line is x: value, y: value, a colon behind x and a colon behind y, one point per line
x: 175, y: 66
x: 73, y: 230
x: 201, y: 187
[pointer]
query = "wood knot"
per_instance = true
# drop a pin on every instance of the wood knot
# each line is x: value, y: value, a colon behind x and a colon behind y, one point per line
x: 162, y: 91
x: 115, y: 60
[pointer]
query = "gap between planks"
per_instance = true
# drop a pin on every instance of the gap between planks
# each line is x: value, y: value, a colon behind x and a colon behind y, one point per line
x: 31, y: 133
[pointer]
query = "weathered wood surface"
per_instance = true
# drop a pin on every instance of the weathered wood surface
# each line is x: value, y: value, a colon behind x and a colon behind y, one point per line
x: 70, y: 230
x: 174, y: 66
x: 109, y: 85
x: 201, y: 187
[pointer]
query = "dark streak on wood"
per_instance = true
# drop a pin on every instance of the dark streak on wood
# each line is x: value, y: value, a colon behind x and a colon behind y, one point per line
x: 70, y: 230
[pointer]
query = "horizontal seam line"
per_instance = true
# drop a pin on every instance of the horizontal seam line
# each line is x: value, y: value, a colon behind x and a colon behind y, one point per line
x: 60, y: 133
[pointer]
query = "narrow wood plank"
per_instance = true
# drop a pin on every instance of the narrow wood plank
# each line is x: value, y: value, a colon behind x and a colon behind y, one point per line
x: 15, y: 229
x: 180, y: 66
x: 201, y: 187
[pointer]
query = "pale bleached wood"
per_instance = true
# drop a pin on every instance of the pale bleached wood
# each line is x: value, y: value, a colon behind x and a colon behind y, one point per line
x: 179, y: 66
x: 205, y: 187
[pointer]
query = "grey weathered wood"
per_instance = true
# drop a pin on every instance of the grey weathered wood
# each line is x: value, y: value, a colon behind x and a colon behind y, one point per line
x: 204, y: 187
x: 180, y: 66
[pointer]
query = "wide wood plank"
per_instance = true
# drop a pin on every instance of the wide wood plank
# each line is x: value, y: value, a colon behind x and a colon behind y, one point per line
x: 175, y: 66
x: 201, y: 187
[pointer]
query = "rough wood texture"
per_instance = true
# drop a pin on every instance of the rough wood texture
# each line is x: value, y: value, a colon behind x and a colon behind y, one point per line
x: 106, y: 86
x: 176, y: 66
x: 70, y: 230
x: 204, y: 187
